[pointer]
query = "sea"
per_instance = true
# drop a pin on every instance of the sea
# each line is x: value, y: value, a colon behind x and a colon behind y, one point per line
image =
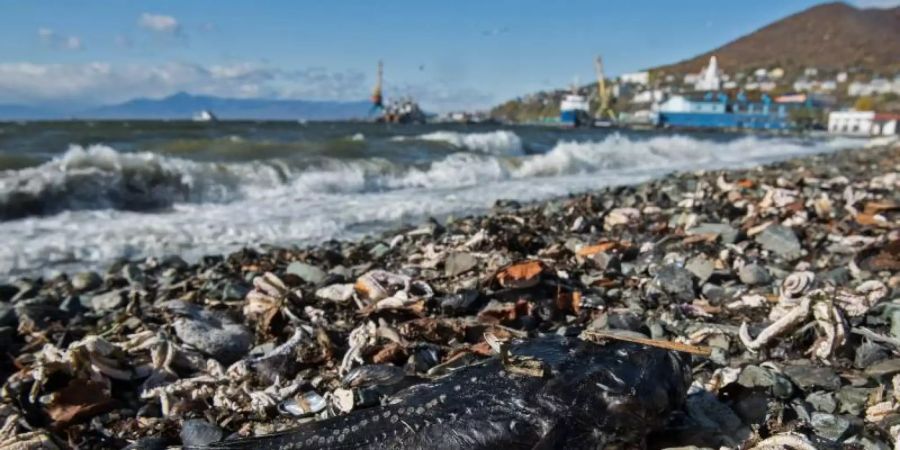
x: 80, y: 195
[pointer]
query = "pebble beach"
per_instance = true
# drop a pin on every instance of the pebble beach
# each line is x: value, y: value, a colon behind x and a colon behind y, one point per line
x: 784, y: 276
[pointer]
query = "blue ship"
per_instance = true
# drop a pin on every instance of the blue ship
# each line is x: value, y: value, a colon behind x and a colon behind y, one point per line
x: 717, y: 110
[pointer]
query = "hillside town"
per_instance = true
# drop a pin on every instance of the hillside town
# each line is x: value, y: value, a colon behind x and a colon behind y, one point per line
x: 854, y: 101
x: 847, y: 102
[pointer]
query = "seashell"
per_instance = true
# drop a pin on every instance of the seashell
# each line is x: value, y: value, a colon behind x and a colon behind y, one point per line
x: 305, y: 404
x: 379, y: 284
x: 796, y: 284
x: 336, y: 292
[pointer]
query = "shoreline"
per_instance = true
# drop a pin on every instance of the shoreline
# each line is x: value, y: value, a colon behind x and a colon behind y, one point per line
x: 65, y: 233
x: 688, y: 257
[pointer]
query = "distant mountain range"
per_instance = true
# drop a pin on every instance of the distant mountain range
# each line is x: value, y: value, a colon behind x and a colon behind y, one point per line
x: 831, y: 36
x: 184, y: 106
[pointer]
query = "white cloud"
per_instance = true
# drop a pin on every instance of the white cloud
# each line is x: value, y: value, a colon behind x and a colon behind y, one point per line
x: 159, y: 23
x: 102, y: 83
x: 55, y: 40
x: 89, y: 84
x: 884, y: 4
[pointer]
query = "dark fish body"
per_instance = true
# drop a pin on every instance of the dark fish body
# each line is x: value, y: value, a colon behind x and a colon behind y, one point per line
x: 592, y: 396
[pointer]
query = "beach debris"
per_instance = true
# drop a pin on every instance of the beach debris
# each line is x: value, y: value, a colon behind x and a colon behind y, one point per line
x: 779, y: 282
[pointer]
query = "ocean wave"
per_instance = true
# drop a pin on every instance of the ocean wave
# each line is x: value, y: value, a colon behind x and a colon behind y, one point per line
x: 499, y: 142
x: 98, y: 177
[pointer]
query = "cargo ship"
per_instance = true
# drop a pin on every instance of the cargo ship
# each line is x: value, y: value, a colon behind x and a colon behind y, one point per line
x: 574, y: 110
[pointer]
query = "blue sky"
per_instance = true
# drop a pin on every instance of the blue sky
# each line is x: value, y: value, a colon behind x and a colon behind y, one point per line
x: 449, y: 54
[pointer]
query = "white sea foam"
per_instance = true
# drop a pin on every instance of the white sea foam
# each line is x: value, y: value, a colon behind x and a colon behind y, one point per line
x: 499, y: 142
x: 214, y: 207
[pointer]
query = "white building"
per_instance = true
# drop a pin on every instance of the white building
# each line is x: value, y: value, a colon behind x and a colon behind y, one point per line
x: 709, y: 77
x: 876, y: 86
x: 857, y: 123
x: 648, y: 96
x: 862, y: 123
x: 767, y: 86
x: 642, y: 78
x: 841, y: 77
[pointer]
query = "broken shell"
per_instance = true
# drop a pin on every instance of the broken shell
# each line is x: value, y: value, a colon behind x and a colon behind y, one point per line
x: 336, y: 292
x: 380, y: 284
x: 373, y: 375
x: 304, y: 404
x: 796, y: 284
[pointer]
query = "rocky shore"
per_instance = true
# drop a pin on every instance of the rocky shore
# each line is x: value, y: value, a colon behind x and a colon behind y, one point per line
x: 787, y: 273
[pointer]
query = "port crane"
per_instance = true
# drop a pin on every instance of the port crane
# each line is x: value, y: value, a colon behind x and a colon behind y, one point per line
x: 377, y: 98
x: 604, y: 110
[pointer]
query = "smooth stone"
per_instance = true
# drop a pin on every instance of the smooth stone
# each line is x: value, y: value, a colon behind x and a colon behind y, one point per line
x: 807, y: 377
x: 705, y: 409
x: 852, y: 400
x: 607, y: 262
x: 462, y: 302
x: 822, y: 401
x: 458, y: 263
x: 213, y: 334
x: 884, y: 368
x: 830, y: 426
x: 754, y: 275
x: 7, y: 292
x: 867, y: 354
x: 86, y: 281
x: 306, y: 272
x: 199, y: 433
x: 7, y: 336
x: 234, y: 291
x: 174, y: 262
x: 726, y: 233
x: 133, y: 274
x: 148, y: 443
x: 108, y: 301
x: 8, y: 315
x: 714, y: 293
x: 72, y: 305
x: 780, y: 240
x: 379, y: 250
x: 758, y: 377
x: 674, y: 282
x: 701, y: 266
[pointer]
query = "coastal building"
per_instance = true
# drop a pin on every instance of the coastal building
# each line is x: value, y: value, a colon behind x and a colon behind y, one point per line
x: 863, y: 123
x: 875, y: 86
x: 641, y: 78
x: 648, y: 96
x: 709, y: 78
x: 841, y: 77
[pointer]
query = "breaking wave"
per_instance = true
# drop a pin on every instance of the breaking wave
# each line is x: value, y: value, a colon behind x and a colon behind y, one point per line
x: 99, y: 177
x: 500, y: 142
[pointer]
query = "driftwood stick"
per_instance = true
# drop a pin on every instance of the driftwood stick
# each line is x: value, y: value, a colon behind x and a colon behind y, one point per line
x: 668, y: 345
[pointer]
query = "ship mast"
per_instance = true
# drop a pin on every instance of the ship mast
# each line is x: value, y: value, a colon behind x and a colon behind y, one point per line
x: 377, y: 99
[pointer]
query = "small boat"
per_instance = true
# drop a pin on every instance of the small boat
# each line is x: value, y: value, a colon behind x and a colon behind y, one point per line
x: 205, y: 116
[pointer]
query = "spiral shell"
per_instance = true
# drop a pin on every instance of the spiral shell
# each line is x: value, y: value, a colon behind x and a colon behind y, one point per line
x: 796, y: 284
